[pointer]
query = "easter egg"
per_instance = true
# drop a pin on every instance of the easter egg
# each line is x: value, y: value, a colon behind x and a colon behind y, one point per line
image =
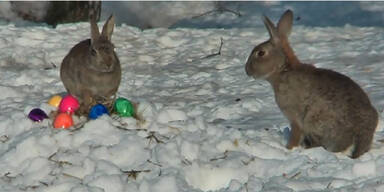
x: 97, y: 111
x: 63, y: 121
x: 68, y: 104
x: 37, y: 115
x: 55, y: 101
x: 124, y: 107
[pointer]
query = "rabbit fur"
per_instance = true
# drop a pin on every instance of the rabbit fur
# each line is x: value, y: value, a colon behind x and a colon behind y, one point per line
x: 324, y: 108
x: 91, y: 71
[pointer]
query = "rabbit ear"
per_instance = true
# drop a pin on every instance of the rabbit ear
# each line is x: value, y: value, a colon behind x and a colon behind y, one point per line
x: 284, y: 27
x: 285, y: 23
x: 95, y: 34
x: 273, y: 33
x: 108, y: 27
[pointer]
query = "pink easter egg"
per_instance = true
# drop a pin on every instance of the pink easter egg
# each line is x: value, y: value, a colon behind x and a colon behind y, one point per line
x: 69, y: 104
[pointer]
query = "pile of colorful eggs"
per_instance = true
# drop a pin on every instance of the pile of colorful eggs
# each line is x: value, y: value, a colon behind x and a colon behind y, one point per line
x: 68, y: 105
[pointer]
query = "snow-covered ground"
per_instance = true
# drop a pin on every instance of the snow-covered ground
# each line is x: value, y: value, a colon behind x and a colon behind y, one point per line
x: 215, y: 14
x: 206, y: 125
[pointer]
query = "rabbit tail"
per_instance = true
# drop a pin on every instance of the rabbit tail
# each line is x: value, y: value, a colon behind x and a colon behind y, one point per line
x: 363, y: 140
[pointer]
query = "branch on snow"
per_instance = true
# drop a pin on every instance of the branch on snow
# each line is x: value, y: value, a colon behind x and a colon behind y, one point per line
x: 219, y: 8
x: 218, y: 53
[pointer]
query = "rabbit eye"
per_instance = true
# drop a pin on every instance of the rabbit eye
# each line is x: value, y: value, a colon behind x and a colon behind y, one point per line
x: 260, y: 53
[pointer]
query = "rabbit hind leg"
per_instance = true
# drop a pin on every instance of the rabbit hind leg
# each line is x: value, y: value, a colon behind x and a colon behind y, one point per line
x: 310, y: 141
x: 87, y: 101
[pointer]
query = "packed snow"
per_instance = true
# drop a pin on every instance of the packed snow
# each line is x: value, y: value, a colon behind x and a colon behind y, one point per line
x: 205, y: 125
x: 217, y: 14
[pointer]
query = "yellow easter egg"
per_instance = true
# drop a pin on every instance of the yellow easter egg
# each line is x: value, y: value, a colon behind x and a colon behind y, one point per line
x: 55, y: 101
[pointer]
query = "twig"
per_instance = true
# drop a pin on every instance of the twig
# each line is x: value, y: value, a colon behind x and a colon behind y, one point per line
x: 71, y: 176
x: 125, y: 129
x: 249, y: 161
x: 220, y: 9
x: 222, y: 157
x: 29, y: 187
x: 218, y: 53
x: 293, y: 176
x: 78, y: 126
x: 51, y: 156
x: 134, y: 173
x: 152, y: 136
x: 60, y: 163
x: 53, y: 66
x: 139, y: 121
x: 44, y: 183
x: 7, y: 178
x: 186, y: 162
x: 204, y: 14
x: 151, y: 162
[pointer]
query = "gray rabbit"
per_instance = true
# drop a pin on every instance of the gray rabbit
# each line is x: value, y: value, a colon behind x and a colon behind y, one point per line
x: 324, y: 108
x: 91, y: 71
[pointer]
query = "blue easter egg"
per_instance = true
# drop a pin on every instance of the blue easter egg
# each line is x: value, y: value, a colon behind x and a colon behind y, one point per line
x: 97, y: 111
x: 37, y: 115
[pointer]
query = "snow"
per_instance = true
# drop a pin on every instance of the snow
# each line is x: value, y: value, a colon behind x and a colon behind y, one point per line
x: 208, y: 14
x: 204, y: 125
x: 212, y: 178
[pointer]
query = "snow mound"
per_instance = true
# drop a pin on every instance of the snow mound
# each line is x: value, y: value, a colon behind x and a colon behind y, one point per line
x: 202, y: 125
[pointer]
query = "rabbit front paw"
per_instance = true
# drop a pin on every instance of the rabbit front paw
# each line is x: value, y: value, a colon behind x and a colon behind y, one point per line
x: 295, y: 137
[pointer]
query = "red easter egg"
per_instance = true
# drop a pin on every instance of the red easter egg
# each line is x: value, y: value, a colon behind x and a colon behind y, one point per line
x: 63, y: 121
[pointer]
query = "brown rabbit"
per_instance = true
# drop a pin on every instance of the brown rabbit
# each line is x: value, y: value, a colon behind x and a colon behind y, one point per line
x: 91, y: 71
x: 325, y: 108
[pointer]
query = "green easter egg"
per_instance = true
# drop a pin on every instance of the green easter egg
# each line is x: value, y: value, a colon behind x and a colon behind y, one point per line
x: 124, y: 107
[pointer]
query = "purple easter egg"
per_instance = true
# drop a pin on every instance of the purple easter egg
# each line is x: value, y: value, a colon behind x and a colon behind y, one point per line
x: 37, y: 115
